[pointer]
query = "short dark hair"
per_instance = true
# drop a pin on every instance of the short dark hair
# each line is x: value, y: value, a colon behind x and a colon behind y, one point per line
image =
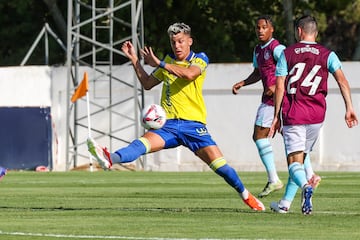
x: 267, y: 19
x: 306, y: 22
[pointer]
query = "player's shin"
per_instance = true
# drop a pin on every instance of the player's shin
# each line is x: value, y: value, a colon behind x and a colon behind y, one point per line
x: 297, y: 173
x: 220, y: 167
x: 134, y: 150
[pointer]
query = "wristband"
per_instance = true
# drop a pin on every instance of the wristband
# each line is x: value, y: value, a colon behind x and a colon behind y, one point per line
x: 162, y: 64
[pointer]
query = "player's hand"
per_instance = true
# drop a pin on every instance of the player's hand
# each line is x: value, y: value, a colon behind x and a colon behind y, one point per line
x: 236, y: 87
x: 270, y: 91
x: 129, y: 50
x: 272, y: 132
x: 351, y: 119
x: 150, y: 57
x: 275, y: 127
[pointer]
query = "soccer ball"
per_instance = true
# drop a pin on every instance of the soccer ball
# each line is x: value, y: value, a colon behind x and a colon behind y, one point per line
x: 153, y: 117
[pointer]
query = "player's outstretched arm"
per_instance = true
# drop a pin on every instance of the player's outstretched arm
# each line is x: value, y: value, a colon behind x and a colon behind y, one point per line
x: 129, y: 51
x: 146, y: 80
x: 252, y: 78
x: 189, y: 73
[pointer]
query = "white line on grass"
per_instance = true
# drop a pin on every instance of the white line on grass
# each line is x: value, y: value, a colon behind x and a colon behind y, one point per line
x: 102, y: 237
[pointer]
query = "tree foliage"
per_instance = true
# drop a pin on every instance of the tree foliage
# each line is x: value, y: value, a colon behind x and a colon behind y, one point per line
x: 222, y: 29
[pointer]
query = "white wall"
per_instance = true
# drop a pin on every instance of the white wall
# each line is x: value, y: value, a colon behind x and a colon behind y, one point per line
x: 25, y: 86
x: 230, y: 118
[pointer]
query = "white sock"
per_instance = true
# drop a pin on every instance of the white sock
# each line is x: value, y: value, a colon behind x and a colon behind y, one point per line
x: 285, y: 203
x: 273, y: 177
x: 245, y: 194
x: 308, y: 167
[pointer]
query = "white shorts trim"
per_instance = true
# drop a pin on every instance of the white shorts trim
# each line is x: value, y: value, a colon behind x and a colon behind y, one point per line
x: 300, y: 137
x: 264, y: 115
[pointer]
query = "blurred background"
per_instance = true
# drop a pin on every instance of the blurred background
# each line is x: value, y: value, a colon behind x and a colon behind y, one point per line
x: 224, y: 29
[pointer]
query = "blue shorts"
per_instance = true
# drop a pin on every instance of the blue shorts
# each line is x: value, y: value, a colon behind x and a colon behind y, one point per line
x: 191, y: 134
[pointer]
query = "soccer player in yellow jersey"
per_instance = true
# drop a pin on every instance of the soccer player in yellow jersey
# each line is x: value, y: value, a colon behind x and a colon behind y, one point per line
x: 182, y: 74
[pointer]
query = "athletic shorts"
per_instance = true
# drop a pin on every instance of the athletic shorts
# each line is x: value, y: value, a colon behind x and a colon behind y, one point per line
x: 191, y: 134
x: 264, y: 115
x: 300, y: 137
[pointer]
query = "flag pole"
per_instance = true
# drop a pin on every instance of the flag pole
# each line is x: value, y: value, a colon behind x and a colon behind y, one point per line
x: 83, y: 90
x: 89, y: 128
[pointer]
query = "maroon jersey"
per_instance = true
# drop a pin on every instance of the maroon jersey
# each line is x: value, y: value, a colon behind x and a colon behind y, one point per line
x: 266, y: 65
x: 305, y: 84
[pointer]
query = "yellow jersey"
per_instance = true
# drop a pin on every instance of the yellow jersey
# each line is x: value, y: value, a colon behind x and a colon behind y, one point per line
x: 182, y: 98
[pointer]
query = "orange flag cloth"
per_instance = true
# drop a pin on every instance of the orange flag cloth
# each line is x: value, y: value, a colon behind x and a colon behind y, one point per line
x: 81, y: 89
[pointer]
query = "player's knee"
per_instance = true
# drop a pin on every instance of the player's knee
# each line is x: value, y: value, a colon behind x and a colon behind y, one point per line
x: 143, y: 142
x: 217, y: 163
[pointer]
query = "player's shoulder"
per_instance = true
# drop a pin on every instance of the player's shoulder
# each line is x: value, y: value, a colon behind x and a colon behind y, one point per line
x: 201, y: 55
x: 292, y: 47
x: 192, y: 57
x: 275, y: 41
x: 326, y: 49
x: 276, y: 44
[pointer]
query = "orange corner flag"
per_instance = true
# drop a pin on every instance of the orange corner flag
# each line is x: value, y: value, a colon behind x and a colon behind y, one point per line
x: 81, y: 89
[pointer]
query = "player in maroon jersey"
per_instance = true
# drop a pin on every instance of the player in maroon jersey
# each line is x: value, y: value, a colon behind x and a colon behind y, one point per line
x: 265, y: 56
x: 301, y: 88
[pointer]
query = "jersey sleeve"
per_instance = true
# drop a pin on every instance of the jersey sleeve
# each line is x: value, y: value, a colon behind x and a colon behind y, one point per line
x: 281, y: 66
x: 333, y: 62
x: 255, y: 64
x: 201, y: 60
x: 277, y: 51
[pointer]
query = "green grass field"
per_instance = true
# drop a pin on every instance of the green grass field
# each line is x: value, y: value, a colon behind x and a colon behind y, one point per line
x: 159, y: 206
